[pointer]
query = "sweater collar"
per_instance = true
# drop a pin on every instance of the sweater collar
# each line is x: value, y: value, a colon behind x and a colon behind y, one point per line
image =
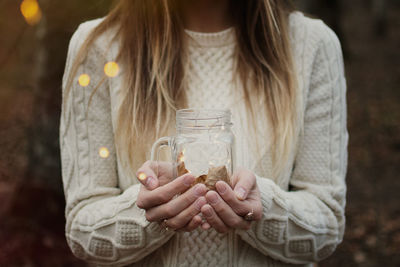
x: 215, y: 39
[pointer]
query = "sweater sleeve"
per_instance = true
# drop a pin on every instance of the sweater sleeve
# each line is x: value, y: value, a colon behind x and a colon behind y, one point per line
x: 103, y: 223
x: 307, y: 223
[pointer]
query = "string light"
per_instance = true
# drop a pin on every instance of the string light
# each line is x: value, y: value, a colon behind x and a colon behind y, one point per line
x: 181, y: 157
x: 103, y: 152
x: 111, y: 69
x: 84, y: 80
x: 30, y: 9
x: 142, y: 176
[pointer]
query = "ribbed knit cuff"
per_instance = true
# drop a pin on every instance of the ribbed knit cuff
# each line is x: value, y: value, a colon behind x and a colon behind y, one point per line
x: 265, y: 186
x: 156, y: 229
x: 266, y: 193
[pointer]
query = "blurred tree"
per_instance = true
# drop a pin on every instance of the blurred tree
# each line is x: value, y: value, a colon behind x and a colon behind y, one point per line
x: 330, y: 11
x: 52, y: 38
x: 379, y: 10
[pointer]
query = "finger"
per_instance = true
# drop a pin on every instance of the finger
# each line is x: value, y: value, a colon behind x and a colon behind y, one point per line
x: 166, y: 192
x: 186, y: 216
x: 193, y: 224
x: 213, y: 219
x: 205, y: 226
x: 245, y: 182
x: 228, y: 195
x: 240, y: 207
x: 179, y: 204
x: 147, y: 176
x: 160, y: 170
x: 225, y: 212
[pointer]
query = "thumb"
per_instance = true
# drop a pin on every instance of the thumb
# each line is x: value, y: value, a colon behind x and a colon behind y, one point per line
x: 146, y: 175
x: 245, y: 183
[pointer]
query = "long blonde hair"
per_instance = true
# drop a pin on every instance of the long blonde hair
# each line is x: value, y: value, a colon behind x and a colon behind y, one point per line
x: 152, y: 54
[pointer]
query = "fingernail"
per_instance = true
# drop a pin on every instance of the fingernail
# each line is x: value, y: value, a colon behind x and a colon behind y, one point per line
x: 240, y: 193
x: 207, y: 213
x: 199, y: 190
x: 188, y: 180
x: 205, y: 226
x: 213, y: 198
x: 200, y: 203
x: 150, y: 182
x: 221, y: 188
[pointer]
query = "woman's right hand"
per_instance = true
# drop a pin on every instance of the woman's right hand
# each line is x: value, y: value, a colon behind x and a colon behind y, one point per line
x: 157, y: 197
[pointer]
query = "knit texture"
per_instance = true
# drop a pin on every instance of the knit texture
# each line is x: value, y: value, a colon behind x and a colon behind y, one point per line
x: 209, y: 77
x: 104, y: 226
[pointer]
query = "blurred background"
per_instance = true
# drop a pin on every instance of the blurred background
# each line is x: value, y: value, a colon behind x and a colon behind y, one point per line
x: 33, y: 44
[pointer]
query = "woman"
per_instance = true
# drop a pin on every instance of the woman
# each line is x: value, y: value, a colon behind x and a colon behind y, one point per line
x: 280, y: 73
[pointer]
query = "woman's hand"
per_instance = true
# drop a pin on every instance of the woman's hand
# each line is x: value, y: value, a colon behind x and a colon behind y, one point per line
x: 157, y: 197
x: 227, y: 208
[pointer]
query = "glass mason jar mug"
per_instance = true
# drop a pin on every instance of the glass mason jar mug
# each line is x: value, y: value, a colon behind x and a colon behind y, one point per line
x: 204, y: 145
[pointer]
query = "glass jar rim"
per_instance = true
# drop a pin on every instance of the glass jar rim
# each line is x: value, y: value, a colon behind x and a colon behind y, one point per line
x: 203, y: 118
x: 203, y: 114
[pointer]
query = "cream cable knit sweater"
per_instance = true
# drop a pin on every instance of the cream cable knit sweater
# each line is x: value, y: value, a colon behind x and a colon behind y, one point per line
x: 300, y: 226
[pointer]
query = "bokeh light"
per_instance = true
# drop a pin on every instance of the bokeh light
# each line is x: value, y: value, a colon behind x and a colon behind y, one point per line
x: 103, y: 152
x: 30, y: 9
x: 181, y: 157
x: 142, y: 176
x: 84, y: 80
x: 111, y: 69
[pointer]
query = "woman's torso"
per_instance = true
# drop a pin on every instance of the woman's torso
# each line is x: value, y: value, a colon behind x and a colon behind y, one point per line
x: 212, y: 84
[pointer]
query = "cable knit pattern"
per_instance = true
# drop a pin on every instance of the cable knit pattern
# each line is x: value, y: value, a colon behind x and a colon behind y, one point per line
x: 104, y: 226
x: 209, y: 75
x: 203, y: 248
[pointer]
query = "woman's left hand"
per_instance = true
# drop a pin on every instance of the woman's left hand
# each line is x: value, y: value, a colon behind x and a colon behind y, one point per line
x: 227, y: 208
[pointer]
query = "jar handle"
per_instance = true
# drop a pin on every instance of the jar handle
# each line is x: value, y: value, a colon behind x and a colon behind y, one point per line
x: 160, y: 143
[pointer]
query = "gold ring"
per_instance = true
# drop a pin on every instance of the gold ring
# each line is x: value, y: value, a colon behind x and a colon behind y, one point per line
x: 164, y: 224
x: 249, y: 216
